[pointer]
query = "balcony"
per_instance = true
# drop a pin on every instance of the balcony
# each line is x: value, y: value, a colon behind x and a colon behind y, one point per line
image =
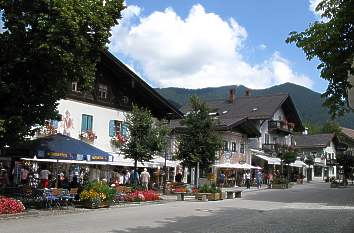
x: 269, y: 147
x: 280, y: 127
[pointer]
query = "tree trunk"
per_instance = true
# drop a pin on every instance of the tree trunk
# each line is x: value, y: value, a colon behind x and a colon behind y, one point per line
x: 135, y: 172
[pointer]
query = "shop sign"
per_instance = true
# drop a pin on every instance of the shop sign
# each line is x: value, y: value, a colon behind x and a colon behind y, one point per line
x: 58, y: 155
x: 97, y: 158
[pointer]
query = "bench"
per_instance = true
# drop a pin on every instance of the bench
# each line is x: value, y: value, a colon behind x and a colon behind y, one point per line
x: 231, y: 194
x: 202, y: 196
x: 180, y: 196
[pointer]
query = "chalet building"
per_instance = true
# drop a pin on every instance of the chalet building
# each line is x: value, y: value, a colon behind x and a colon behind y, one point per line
x: 321, y: 148
x: 98, y: 118
x: 275, y: 118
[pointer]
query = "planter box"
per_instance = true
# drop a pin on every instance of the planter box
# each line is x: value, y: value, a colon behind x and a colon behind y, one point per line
x: 214, y: 197
x: 279, y: 186
x: 91, y: 205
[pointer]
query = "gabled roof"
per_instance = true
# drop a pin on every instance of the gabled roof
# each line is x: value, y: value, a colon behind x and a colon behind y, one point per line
x: 314, y: 141
x: 242, y: 125
x: 254, y: 108
x: 348, y: 132
x: 145, y: 95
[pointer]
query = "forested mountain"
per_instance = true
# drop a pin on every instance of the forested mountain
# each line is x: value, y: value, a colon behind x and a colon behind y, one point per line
x: 307, y: 102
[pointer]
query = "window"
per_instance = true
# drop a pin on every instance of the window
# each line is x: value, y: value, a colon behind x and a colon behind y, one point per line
x: 226, y: 146
x: 86, y: 123
x: 242, y: 148
x: 74, y: 87
x: 102, y: 91
x: 266, y: 138
x: 233, y: 147
x: 118, y: 127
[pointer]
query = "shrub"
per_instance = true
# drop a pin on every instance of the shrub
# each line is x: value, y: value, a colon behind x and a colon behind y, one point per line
x: 97, y: 191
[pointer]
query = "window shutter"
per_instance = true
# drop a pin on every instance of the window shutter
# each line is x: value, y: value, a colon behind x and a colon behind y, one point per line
x: 112, y: 128
x: 89, y: 122
x: 83, y: 123
x: 124, y: 129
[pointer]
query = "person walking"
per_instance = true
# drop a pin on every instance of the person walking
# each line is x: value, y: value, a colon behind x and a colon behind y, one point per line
x: 145, y: 177
x: 248, y: 179
x: 259, y: 179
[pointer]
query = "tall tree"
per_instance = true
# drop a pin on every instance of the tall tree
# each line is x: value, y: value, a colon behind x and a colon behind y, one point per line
x: 45, y: 45
x: 146, y: 137
x: 332, y: 42
x: 331, y: 127
x: 198, y: 143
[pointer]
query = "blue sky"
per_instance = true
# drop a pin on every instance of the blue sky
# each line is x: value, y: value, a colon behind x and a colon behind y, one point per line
x: 196, y: 44
x: 181, y: 43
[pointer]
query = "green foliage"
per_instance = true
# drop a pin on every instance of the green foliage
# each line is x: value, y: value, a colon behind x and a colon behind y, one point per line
x: 347, y: 161
x: 331, y: 127
x: 46, y: 45
x: 309, y: 160
x: 146, y: 138
x: 100, y: 188
x: 288, y: 156
x: 205, y: 188
x: 198, y: 142
x: 332, y: 42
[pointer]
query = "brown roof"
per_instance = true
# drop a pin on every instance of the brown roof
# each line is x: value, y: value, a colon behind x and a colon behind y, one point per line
x: 254, y: 108
x: 314, y: 141
x: 348, y: 132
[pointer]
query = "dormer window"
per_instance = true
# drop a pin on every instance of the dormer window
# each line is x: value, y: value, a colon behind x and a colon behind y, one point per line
x: 102, y: 91
x: 74, y: 87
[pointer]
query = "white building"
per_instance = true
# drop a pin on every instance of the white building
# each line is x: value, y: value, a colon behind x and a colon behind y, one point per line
x: 321, y: 148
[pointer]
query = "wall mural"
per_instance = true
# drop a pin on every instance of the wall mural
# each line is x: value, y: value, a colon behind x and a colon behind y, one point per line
x: 67, y: 124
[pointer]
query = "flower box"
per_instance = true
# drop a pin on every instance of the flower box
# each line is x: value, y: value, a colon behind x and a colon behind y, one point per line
x: 214, y: 197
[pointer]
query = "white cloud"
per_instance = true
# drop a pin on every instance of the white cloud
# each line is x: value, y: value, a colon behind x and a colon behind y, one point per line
x: 262, y: 46
x: 202, y: 50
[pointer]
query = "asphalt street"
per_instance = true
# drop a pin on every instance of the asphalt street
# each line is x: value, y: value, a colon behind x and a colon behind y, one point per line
x: 303, y: 208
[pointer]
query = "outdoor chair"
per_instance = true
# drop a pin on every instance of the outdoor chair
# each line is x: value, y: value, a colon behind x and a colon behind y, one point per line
x: 51, y: 199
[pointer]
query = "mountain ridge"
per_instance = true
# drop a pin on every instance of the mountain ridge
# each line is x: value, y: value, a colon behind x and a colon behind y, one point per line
x: 307, y: 102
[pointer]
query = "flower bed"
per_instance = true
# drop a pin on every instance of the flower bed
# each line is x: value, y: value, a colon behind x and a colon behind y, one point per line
x: 10, y: 206
x: 137, y: 196
x: 97, y: 194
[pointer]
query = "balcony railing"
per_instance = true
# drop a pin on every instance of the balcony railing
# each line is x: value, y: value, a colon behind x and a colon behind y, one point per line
x: 280, y: 126
x: 269, y: 147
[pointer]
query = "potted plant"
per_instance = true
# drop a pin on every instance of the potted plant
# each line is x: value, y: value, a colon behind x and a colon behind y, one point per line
x: 279, y: 183
x: 97, y: 194
x: 88, y: 136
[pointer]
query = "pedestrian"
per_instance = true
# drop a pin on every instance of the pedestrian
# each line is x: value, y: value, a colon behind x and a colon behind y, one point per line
x: 126, y: 178
x: 44, y: 176
x: 248, y: 179
x: 24, y: 175
x: 259, y: 179
x: 178, y: 177
x: 270, y: 176
x: 145, y: 177
x: 222, y: 179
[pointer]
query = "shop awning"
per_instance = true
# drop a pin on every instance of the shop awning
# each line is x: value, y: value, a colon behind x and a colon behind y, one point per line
x: 245, y: 166
x: 61, y: 147
x: 298, y: 163
x: 261, y: 155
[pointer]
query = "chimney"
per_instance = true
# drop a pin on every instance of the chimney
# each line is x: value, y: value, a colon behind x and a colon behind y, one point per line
x: 232, y: 95
x: 248, y: 92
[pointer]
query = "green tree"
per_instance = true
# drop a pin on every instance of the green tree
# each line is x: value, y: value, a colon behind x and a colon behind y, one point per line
x: 146, y: 137
x: 45, y: 45
x: 331, y: 127
x: 198, y: 143
x: 346, y: 160
x: 332, y: 42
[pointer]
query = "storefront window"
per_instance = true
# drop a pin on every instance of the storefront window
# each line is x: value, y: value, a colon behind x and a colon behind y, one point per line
x: 226, y: 146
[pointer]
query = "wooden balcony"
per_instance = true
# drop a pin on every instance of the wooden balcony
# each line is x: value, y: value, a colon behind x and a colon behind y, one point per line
x: 280, y: 127
x: 269, y: 147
